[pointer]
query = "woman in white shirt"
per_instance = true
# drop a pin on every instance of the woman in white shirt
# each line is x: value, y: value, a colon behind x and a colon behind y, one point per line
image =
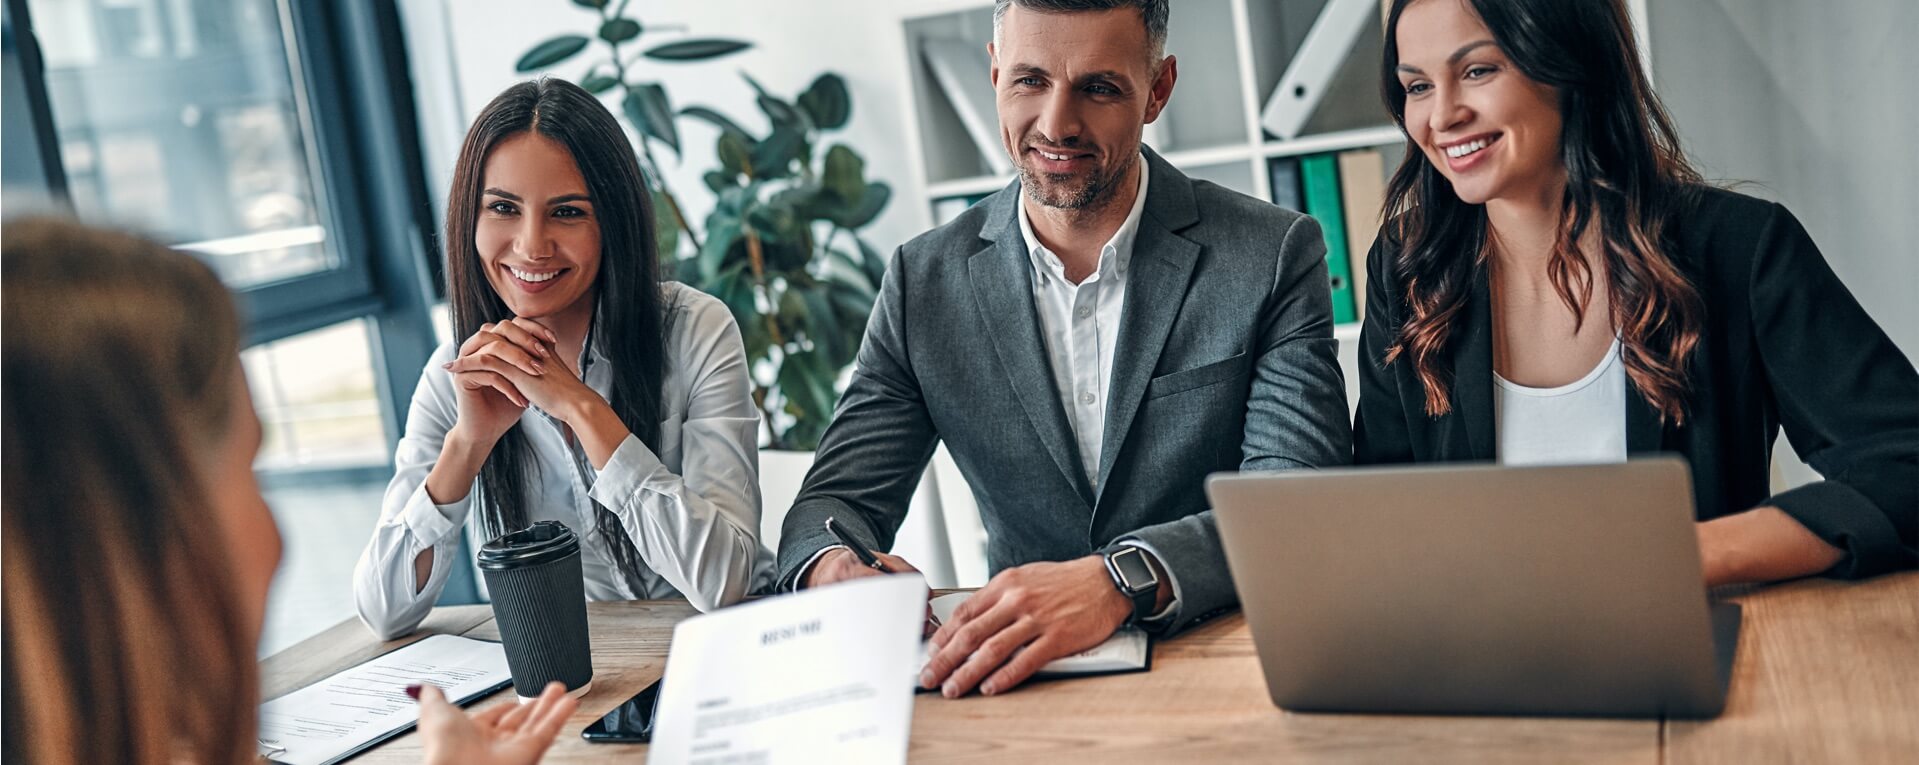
x: 583, y: 390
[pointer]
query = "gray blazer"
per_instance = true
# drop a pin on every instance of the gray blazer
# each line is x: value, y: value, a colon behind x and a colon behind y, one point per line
x: 1226, y: 361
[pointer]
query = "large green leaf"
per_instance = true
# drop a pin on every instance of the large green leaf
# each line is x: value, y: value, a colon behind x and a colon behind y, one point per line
x: 734, y: 152
x: 845, y: 174
x: 651, y: 113
x: 619, y: 30
x: 872, y: 201
x: 827, y: 102
x: 774, y: 222
x: 822, y: 324
x: 718, y: 180
x: 697, y: 50
x: 721, y: 121
x: 722, y: 232
x: 773, y: 157
x: 806, y: 382
x: 550, y: 52
x: 687, y: 271
x: 779, y: 112
x: 666, y: 228
x: 598, y: 83
x: 841, y: 270
x: 870, y: 260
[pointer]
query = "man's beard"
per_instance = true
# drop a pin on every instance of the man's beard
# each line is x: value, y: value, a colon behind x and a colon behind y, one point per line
x: 1085, y: 193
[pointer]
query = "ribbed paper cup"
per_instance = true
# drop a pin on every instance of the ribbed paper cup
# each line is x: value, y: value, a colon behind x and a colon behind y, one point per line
x: 539, y: 604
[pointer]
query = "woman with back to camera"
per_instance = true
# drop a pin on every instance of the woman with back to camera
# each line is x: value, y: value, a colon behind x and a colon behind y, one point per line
x: 582, y: 389
x: 1554, y: 284
x: 138, y: 550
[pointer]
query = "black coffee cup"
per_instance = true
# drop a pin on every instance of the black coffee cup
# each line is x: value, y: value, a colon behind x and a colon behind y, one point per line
x: 539, y: 604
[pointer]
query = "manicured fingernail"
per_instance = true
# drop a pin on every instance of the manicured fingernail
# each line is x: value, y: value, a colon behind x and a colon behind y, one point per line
x: 986, y: 689
x: 413, y: 691
x: 951, y: 690
x: 448, y: 365
x: 926, y: 679
x: 537, y: 369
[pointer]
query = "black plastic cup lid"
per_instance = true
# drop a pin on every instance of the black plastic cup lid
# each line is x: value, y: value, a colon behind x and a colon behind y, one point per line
x: 539, y: 543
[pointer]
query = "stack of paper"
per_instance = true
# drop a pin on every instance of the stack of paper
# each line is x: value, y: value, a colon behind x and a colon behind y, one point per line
x: 336, y: 718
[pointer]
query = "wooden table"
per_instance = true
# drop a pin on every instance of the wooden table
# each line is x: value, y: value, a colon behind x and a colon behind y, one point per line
x: 1826, y: 672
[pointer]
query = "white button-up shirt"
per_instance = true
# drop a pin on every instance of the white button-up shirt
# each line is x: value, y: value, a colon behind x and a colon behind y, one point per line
x: 692, y: 509
x: 1080, y: 325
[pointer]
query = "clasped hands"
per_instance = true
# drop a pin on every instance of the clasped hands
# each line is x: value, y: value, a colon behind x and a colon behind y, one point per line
x: 507, y: 366
x: 1023, y: 618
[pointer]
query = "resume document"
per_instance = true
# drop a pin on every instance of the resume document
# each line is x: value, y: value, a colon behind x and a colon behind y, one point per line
x: 809, y: 677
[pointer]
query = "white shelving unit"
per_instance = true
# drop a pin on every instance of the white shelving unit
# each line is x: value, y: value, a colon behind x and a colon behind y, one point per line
x: 1231, y: 54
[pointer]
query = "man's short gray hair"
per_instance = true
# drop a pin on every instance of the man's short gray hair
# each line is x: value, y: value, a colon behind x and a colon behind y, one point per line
x: 1153, y: 12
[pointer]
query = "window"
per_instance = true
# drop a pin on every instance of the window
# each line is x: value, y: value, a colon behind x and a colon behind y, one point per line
x: 183, y: 120
x: 276, y: 140
x: 318, y: 399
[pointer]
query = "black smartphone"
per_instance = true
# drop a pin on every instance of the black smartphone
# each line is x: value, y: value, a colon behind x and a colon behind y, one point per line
x: 628, y: 723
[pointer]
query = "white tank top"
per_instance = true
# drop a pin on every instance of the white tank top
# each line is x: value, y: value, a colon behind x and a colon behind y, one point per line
x: 1579, y: 423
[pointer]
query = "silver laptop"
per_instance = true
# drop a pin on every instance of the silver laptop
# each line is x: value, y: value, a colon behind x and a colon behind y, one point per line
x: 1480, y: 589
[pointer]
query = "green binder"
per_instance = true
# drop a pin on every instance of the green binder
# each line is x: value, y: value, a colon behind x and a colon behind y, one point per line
x: 1319, y: 175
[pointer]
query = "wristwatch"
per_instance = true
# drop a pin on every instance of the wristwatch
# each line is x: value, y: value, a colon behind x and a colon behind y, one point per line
x: 1135, y: 579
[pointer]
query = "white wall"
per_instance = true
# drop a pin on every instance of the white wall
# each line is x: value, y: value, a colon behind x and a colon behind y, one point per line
x: 793, y: 43
x: 1812, y: 104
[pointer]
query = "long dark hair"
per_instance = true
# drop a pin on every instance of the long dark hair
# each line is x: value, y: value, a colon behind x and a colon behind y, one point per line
x: 126, y: 639
x: 630, y: 312
x: 1624, y: 173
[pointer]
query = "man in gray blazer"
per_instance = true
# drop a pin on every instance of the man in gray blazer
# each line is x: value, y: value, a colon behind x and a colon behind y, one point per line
x: 1090, y: 342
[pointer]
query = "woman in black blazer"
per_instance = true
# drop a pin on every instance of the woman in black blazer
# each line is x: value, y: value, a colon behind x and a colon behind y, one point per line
x: 1555, y: 284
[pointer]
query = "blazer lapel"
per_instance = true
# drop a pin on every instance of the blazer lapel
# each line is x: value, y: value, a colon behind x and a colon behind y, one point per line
x: 1644, y: 431
x: 1002, y: 277
x: 1162, y: 266
x: 1473, y: 376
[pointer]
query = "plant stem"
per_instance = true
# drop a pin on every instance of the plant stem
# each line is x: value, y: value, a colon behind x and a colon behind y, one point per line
x: 757, y: 259
x: 773, y: 440
x: 646, y: 150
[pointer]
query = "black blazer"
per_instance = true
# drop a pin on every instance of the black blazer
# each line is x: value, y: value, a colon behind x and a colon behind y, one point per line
x: 1785, y: 344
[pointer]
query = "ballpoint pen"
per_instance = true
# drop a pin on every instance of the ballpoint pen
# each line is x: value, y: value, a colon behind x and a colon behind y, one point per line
x: 868, y: 559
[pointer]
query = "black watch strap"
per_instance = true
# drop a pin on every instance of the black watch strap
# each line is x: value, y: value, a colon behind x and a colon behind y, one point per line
x: 1134, y: 578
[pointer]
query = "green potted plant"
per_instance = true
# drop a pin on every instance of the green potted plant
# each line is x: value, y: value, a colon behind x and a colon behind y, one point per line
x: 781, y: 246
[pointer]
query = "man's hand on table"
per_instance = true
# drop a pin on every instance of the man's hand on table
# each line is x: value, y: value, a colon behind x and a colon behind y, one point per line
x: 1022, y: 619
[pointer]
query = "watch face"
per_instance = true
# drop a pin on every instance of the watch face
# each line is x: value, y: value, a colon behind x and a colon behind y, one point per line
x: 1134, y: 569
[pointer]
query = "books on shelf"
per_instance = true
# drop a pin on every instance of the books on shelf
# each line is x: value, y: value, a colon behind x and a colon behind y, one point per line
x: 1362, y: 189
x: 945, y: 209
x: 1284, y: 172
x: 1331, y: 82
x: 1319, y: 181
x: 1344, y: 192
x: 965, y: 75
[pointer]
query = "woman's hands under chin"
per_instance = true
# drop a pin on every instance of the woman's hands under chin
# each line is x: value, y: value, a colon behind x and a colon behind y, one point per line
x: 488, y: 401
x: 505, y: 734
x: 516, y: 358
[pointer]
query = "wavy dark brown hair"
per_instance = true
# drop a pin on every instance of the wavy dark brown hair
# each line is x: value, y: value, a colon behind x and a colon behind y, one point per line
x: 1625, y: 175
x: 630, y: 313
x: 125, y: 637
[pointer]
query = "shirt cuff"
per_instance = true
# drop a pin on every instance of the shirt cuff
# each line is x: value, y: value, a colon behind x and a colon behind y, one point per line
x: 800, y: 575
x: 630, y: 469
x: 430, y: 523
x: 1172, y: 606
